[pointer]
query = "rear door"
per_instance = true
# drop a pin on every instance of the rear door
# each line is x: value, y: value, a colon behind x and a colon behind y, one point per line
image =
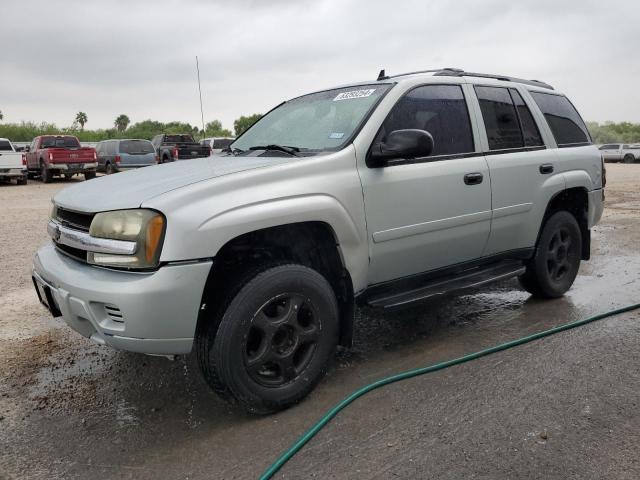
x: 521, y: 167
x: 426, y: 213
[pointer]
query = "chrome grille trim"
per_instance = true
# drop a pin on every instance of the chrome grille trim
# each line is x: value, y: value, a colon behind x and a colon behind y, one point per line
x: 83, y: 241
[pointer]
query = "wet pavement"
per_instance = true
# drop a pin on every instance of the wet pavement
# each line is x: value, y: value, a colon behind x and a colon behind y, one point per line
x: 563, y: 407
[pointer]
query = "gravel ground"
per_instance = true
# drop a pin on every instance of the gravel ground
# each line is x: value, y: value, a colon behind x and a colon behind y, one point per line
x: 563, y: 407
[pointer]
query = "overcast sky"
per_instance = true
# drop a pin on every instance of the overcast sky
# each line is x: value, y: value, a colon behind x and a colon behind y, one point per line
x: 138, y: 57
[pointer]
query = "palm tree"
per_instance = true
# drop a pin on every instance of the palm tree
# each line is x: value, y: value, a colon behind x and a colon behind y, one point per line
x: 81, y: 118
x: 122, y: 122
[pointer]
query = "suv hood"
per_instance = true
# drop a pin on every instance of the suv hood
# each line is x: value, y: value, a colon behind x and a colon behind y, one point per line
x: 130, y: 189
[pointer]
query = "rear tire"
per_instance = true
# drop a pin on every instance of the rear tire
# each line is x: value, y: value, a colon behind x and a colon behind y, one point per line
x: 109, y: 170
x: 46, y: 175
x: 269, y: 344
x: 89, y: 175
x: 22, y: 181
x: 629, y: 159
x: 552, y: 270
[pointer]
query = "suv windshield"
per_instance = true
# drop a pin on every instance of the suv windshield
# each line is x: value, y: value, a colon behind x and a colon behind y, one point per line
x: 319, y: 121
x: 60, y: 142
x: 136, y: 146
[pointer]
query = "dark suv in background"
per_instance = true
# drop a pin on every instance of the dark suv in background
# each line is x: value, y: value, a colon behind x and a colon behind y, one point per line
x: 117, y: 155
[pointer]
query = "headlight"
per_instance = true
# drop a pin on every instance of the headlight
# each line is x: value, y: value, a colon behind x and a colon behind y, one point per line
x: 145, y: 227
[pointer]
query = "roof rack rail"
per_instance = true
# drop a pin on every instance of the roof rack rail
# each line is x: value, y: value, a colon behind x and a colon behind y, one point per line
x: 458, y: 72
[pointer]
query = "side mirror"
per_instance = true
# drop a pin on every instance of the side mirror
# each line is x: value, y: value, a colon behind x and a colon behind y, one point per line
x: 27, y: 148
x: 409, y: 143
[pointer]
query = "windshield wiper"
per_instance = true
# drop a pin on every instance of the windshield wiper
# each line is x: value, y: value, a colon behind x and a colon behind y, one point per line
x: 282, y: 148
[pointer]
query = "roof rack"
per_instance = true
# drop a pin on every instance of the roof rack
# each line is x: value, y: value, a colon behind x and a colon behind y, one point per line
x: 457, y: 72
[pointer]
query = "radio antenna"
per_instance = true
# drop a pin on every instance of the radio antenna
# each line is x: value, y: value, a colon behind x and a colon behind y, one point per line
x: 200, y: 91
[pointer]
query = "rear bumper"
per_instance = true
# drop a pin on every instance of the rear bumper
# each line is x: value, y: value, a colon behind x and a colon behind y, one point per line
x: 73, y: 167
x: 596, y: 207
x: 13, y: 172
x: 154, y: 313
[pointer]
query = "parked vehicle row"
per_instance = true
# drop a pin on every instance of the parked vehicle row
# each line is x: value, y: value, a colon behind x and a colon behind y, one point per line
x: 620, y: 152
x: 12, y: 165
x: 382, y: 193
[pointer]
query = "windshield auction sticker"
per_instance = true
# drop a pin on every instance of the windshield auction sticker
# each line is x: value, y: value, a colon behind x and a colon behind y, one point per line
x: 354, y: 94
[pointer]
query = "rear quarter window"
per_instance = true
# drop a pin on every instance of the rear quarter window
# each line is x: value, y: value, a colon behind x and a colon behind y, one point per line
x: 565, y: 122
x: 5, y: 145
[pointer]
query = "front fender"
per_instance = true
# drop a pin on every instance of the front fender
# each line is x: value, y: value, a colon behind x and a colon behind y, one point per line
x: 217, y: 230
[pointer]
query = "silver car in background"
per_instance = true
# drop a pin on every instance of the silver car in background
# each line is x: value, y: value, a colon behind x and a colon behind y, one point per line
x: 117, y: 155
x: 217, y: 144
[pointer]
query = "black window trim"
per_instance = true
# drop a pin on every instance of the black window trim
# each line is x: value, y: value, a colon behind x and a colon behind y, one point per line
x: 564, y: 145
x: 430, y: 158
x: 533, y: 148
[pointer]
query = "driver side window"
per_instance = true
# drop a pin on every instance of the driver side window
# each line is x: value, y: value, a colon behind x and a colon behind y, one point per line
x: 440, y: 110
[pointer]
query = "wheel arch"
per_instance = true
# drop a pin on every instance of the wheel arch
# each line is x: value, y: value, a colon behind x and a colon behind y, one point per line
x: 314, y: 244
x: 574, y: 200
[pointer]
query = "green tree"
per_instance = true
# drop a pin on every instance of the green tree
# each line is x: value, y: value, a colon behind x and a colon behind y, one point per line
x: 121, y: 122
x: 214, y: 129
x: 241, y: 124
x: 81, y: 118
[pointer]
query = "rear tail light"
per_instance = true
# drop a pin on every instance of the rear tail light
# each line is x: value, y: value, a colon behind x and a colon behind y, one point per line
x: 604, y: 172
x: 50, y: 157
x: 95, y: 155
x: 24, y: 159
x: 117, y: 159
x: 175, y: 153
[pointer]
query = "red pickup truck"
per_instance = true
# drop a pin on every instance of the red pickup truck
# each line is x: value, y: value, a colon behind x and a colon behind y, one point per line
x: 50, y: 155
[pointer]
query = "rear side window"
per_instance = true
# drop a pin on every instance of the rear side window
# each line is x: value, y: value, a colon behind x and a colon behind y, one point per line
x: 5, y: 145
x: 565, y: 122
x: 610, y: 146
x: 500, y: 118
x: 530, y: 131
x: 134, y: 147
x: 441, y: 110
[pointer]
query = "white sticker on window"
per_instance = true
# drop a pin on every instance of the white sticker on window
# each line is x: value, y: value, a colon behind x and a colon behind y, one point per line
x: 336, y: 135
x: 354, y: 94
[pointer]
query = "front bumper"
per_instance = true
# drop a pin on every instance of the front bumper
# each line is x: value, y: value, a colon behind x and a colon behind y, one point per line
x: 152, y: 312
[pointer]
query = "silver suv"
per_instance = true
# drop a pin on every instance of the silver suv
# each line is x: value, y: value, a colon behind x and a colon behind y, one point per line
x: 381, y: 193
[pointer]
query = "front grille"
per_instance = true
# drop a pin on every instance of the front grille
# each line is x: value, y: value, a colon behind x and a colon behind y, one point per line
x: 72, y: 252
x: 77, y: 220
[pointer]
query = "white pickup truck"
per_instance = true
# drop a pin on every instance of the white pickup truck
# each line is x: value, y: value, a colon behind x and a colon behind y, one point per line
x: 11, y: 164
x: 618, y: 152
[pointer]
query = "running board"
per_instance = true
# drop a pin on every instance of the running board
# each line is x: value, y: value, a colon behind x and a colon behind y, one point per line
x: 471, y: 278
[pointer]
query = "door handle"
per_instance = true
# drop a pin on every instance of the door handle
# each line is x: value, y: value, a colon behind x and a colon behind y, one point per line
x: 546, y: 168
x: 473, y: 178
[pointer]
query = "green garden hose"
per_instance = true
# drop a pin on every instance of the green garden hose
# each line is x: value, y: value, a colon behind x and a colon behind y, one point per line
x: 309, y: 434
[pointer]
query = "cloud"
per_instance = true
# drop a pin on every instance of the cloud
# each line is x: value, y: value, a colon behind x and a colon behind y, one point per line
x: 138, y: 58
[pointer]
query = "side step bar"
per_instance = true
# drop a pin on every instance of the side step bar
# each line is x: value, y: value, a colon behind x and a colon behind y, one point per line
x: 471, y: 278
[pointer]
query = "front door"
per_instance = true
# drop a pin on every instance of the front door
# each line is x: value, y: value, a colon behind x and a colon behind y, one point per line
x: 427, y: 213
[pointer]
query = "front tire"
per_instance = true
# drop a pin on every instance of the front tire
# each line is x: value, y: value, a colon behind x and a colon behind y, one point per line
x: 555, y: 264
x: 271, y: 344
x: 89, y: 175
